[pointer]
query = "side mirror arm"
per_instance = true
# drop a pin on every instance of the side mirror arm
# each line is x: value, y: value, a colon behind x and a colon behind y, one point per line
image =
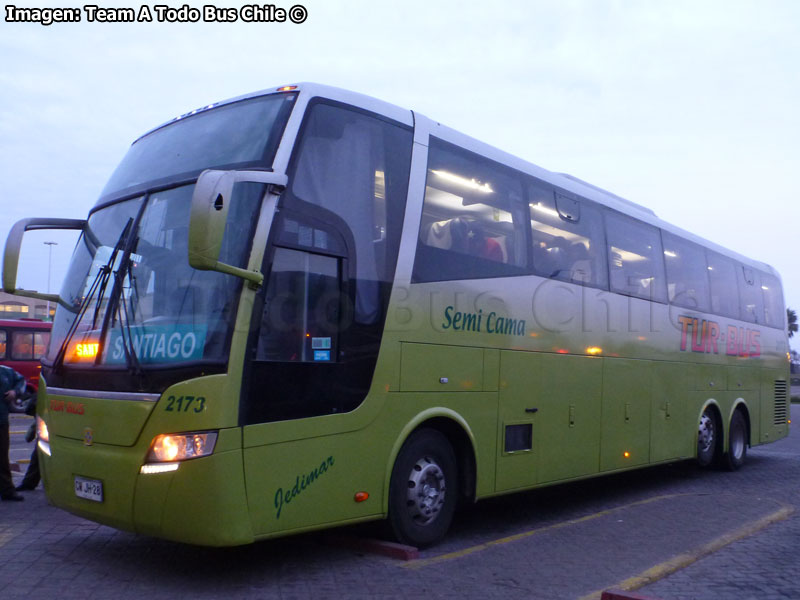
x: 208, y: 217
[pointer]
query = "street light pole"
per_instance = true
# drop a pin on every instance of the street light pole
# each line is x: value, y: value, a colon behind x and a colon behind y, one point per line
x: 49, y: 265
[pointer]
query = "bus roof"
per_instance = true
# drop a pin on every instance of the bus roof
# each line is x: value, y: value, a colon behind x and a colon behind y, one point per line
x: 25, y: 323
x: 568, y: 182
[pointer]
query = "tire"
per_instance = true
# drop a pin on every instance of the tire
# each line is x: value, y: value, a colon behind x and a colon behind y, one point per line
x: 737, y: 443
x: 20, y: 403
x: 423, y: 489
x: 707, y: 438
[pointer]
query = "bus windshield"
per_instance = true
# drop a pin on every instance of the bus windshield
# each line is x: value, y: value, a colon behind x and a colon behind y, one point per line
x: 137, y: 302
x: 237, y: 134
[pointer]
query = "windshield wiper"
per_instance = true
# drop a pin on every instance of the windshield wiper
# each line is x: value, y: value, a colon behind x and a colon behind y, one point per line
x: 124, y: 319
x: 99, y: 283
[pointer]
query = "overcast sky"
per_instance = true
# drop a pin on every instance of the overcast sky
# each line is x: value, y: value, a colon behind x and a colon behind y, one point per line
x: 690, y: 108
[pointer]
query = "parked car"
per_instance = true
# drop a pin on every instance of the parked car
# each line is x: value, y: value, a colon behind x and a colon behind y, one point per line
x: 23, y: 342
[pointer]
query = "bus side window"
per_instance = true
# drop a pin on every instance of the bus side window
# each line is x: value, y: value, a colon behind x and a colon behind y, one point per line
x: 751, y: 301
x: 567, y: 237
x: 722, y: 280
x: 687, y: 273
x: 635, y: 262
x: 472, y: 218
x: 22, y: 345
x: 774, y: 313
x: 40, y: 342
x: 3, y: 341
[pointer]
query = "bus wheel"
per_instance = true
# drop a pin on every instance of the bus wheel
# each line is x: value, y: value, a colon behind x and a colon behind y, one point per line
x: 707, y: 438
x: 737, y: 442
x: 423, y: 489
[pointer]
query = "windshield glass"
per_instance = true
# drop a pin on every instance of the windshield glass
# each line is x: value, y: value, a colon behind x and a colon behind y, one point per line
x: 242, y: 132
x: 136, y: 301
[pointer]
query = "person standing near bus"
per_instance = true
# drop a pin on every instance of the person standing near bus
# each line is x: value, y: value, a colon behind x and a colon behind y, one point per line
x: 12, y: 384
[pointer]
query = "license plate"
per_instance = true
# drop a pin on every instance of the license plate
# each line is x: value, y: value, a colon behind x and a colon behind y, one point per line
x: 91, y: 489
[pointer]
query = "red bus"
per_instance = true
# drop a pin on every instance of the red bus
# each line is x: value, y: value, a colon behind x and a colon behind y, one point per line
x: 22, y: 344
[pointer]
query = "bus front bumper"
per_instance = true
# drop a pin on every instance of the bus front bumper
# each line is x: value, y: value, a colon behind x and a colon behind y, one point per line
x: 202, y: 502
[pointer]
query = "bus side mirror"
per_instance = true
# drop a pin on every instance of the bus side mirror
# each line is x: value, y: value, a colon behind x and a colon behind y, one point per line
x: 209, y: 215
x: 14, y: 246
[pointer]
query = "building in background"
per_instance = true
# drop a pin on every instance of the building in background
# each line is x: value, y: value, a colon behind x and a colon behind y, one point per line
x: 18, y: 307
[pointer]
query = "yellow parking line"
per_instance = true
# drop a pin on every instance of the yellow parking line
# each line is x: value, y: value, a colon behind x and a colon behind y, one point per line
x: 424, y: 562
x: 681, y: 561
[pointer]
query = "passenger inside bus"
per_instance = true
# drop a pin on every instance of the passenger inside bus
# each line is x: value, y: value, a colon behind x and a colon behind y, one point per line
x: 581, y: 264
x: 465, y: 236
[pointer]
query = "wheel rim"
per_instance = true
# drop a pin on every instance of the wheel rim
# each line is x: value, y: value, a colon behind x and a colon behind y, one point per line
x: 426, y: 491
x: 737, y: 443
x: 705, y: 437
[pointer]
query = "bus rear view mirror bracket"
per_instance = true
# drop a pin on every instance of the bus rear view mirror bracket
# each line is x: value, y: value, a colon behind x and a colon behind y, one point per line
x: 209, y: 214
x: 14, y: 246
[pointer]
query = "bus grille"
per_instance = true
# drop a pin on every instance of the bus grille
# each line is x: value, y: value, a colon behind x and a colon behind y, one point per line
x: 780, y: 402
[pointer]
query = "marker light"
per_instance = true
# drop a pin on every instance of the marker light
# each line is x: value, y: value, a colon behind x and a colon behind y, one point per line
x: 594, y: 350
x: 181, y: 446
x: 626, y: 454
x: 287, y: 88
x: 361, y: 496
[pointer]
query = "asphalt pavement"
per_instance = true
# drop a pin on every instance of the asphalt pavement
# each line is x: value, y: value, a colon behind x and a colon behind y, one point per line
x: 672, y: 532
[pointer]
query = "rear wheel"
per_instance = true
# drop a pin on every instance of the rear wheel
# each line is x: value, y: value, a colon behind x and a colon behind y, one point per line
x: 423, y: 489
x: 707, y: 434
x: 737, y: 442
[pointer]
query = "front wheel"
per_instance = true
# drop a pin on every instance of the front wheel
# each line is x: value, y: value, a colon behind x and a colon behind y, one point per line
x: 423, y: 489
x: 737, y: 442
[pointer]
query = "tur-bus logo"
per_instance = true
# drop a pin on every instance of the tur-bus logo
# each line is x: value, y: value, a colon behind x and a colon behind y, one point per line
x: 702, y: 335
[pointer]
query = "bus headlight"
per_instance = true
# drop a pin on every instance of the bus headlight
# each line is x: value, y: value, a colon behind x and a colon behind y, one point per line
x: 172, y: 447
x: 43, y: 435
x: 41, y: 429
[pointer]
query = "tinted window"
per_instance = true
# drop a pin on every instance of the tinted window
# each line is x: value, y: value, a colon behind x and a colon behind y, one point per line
x: 722, y: 280
x: 473, y: 222
x: 774, y: 314
x: 751, y: 301
x: 687, y: 273
x: 568, y: 241
x: 240, y: 132
x: 331, y: 264
x: 301, y: 308
x: 635, y: 261
x: 356, y: 166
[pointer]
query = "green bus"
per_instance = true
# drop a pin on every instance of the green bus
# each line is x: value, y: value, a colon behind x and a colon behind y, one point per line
x: 305, y: 308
